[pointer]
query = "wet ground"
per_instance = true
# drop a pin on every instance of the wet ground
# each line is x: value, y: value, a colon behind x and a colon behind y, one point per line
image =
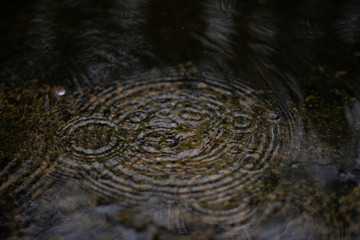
x: 180, y: 120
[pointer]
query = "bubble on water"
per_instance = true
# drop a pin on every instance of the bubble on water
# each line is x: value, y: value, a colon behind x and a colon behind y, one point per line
x: 60, y: 92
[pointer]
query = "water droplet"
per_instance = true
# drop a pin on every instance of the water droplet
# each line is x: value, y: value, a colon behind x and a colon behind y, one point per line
x: 61, y: 92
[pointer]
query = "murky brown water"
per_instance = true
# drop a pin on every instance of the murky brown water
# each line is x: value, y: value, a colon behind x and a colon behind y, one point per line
x: 180, y: 120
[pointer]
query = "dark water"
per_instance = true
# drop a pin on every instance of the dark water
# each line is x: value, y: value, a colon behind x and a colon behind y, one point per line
x: 180, y: 119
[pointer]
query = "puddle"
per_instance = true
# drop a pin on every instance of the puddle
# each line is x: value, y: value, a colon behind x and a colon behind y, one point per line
x: 168, y: 120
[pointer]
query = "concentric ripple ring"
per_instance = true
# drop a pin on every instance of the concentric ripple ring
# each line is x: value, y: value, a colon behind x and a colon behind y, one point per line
x: 198, y: 140
x: 73, y: 128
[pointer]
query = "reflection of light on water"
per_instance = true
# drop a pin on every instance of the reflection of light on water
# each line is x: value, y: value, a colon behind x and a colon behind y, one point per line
x: 197, y: 141
x: 289, y: 213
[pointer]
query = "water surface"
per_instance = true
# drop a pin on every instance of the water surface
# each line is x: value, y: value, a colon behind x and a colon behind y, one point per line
x: 180, y: 120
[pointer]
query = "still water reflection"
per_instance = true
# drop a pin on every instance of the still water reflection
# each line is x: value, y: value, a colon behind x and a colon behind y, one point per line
x: 180, y: 120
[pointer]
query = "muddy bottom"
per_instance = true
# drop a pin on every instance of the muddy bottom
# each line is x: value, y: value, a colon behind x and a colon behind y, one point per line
x: 165, y: 154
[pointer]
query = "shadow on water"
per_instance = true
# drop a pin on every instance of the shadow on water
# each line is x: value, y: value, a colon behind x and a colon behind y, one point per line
x: 180, y: 120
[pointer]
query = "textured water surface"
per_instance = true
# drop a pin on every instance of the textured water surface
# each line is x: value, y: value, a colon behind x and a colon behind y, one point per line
x: 154, y: 119
x: 197, y: 141
x: 189, y: 152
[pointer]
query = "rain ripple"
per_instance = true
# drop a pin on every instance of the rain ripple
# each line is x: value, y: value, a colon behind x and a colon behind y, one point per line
x: 205, y: 141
